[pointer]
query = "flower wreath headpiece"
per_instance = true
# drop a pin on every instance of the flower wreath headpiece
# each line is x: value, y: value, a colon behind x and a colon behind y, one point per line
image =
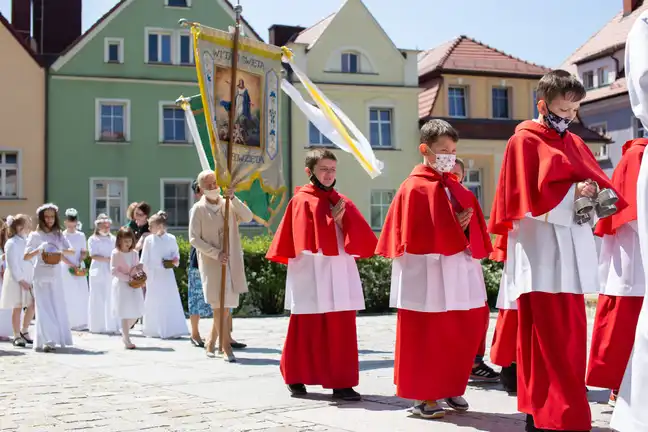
x: 47, y: 207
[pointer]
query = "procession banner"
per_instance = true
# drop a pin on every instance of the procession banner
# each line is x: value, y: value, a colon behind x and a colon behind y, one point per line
x: 255, y: 137
x: 264, y: 205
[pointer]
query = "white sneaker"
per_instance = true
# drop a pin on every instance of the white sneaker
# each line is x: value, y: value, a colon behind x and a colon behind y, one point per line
x: 457, y: 403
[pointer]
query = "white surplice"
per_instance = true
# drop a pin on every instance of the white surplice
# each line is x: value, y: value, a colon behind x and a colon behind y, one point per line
x: 163, y: 312
x: 317, y: 284
x: 620, y: 269
x: 630, y: 414
x: 100, y: 308
x: 6, y: 328
x: 551, y: 253
x: 52, y: 325
x: 76, y: 287
x: 16, y: 269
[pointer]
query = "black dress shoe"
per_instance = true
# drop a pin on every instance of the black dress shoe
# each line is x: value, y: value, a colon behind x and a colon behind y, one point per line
x: 508, y: 378
x: 297, y: 389
x: 346, y: 394
x: 238, y: 345
x: 26, y: 338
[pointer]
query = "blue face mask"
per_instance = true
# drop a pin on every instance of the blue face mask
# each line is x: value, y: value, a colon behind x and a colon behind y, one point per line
x: 557, y: 123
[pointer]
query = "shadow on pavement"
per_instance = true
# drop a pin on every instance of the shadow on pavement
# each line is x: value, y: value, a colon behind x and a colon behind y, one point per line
x: 259, y: 350
x: 154, y: 349
x: 257, y: 361
x: 366, y: 365
x: 77, y: 351
x: 11, y: 353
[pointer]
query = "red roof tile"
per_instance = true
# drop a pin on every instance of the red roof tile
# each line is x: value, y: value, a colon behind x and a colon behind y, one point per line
x: 428, y: 96
x: 466, y: 54
x: 617, y: 88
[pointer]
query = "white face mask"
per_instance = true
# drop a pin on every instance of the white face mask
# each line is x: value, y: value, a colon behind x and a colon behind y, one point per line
x: 444, y: 162
x: 213, y: 194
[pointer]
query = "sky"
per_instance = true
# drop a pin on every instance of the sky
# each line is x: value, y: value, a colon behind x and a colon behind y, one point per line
x: 544, y: 32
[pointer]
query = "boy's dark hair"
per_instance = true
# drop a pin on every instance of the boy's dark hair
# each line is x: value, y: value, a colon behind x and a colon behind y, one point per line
x: 434, y: 129
x: 316, y: 155
x: 560, y: 83
x: 122, y: 234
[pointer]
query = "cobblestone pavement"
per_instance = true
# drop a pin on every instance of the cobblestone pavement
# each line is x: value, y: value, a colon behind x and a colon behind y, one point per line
x: 172, y: 386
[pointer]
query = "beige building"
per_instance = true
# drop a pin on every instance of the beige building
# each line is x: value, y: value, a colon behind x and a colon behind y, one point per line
x: 22, y: 125
x: 375, y: 84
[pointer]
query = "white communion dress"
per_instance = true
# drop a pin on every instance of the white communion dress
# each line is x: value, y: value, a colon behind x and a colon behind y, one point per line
x: 101, y: 318
x: 76, y: 287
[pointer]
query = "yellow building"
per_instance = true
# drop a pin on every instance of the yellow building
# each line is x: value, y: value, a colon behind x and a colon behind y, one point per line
x: 22, y: 122
x: 375, y: 84
x: 484, y: 93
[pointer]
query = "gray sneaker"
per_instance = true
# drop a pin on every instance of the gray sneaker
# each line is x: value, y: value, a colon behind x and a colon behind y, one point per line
x: 428, y: 410
x: 457, y: 403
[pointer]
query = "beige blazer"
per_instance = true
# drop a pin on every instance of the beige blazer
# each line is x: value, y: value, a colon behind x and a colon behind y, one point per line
x: 206, y: 226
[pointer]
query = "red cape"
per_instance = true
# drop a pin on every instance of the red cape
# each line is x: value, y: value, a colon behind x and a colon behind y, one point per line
x: 624, y: 180
x: 308, y: 225
x: 539, y: 168
x: 421, y: 219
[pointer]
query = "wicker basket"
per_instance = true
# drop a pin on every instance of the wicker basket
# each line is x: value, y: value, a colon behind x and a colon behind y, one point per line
x: 52, y: 258
x: 137, y: 278
x: 168, y: 263
x: 78, y: 271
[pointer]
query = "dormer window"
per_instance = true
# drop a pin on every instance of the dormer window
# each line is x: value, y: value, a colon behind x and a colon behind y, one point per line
x: 588, y: 80
x: 350, y: 62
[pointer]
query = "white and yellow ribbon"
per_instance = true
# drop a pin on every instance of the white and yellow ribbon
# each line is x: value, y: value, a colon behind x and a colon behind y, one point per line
x: 331, y: 120
x: 193, y: 129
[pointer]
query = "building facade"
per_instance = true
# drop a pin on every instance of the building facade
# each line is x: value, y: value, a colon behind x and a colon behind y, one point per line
x: 484, y: 93
x: 375, y: 84
x: 115, y: 133
x: 22, y: 122
x: 600, y: 64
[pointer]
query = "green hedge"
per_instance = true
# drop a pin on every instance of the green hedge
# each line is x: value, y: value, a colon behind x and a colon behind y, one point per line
x: 267, y: 280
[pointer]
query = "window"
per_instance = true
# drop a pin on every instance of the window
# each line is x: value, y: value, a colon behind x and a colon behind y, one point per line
x: 177, y: 201
x: 536, y: 114
x: 159, y: 47
x: 173, y: 127
x: 315, y: 137
x: 9, y: 174
x: 108, y: 196
x: 602, y: 154
x: 600, y: 128
x: 112, y: 123
x: 113, y: 50
x: 602, y: 74
x: 178, y: 3
x: 501, y: 105
x: 640, y: 132
x: 473, y: 181
x: 350, y: 63
x: 380, y: 127
x: 380, y: 202
x: 186, y: 54
x: 588, y: 79
x: 457, y: 101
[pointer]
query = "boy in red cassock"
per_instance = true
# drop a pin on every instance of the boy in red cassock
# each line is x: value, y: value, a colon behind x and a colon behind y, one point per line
x: 319, y: 238
x: 437, y: 280
x: 550, y: 254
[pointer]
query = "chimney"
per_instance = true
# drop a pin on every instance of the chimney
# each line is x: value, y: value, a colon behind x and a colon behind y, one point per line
x: 280, y: 35
x: 21, y: 18
x: 57, y: 24
x: 630, y: 6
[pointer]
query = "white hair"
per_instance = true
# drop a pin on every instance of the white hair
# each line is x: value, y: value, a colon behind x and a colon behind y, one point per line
x: 201, y: 177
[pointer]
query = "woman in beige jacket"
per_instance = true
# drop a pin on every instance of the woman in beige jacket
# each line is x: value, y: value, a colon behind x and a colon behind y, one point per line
x: 206, y: 226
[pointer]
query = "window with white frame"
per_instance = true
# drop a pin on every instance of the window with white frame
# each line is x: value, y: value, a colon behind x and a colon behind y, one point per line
x: 588, y: 79
x: 178, y: 3
x: 350, y: 62
x: 639, y: 131
x: 457, y: 102
x: 536, y: 114
x: 602, y: 153
x: 113, y: 50
x: 9, y: 170
x: 380, y: 202
x: 473, y: 181
x: 112, y: 123
x: 602, y: 75
x: 185, y: 49
x: 177, y: 201
x: 316, y: 138
x: 173, y: 127
x: 108, y: 196
x: 380, y: 127
x: 600, y: 128
x: 501, y: 103
x: 158, y: 46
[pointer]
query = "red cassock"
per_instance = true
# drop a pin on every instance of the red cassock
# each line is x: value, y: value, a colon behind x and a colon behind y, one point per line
x: 616, y: 316
x: 422, y: 220
x: 539, y: 168
x: 320, y: 349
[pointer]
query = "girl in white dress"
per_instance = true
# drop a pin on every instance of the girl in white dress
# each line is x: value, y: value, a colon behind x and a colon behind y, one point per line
x: 5, y: 314
x: 17, y: 291
x: 75, y: 287
x: 128, y: 301
x: 101, y: 318
x: 163, y: 313
x: 52, y: 325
